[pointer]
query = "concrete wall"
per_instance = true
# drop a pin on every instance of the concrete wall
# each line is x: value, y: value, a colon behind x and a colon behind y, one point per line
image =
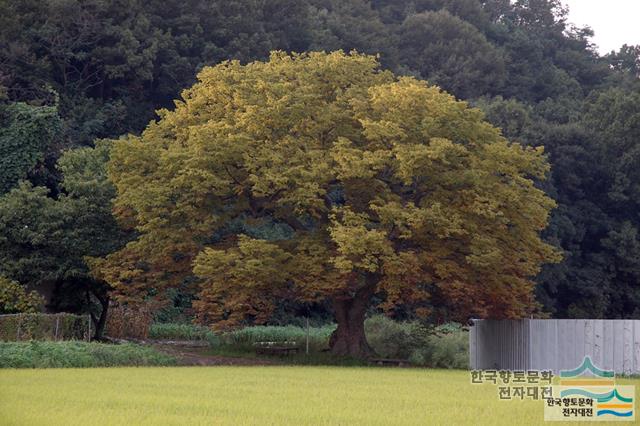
x: 555, y: 344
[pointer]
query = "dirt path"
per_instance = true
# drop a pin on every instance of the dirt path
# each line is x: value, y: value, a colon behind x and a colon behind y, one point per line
x: 196, y: 355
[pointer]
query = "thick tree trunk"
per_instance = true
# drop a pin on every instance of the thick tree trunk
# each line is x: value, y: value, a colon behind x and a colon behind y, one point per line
x: 349, y: 338
x: 100, y: 321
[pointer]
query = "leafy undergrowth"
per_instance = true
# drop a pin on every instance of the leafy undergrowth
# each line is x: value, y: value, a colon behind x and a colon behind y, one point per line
x: 79, y: 354
x: 444, y: 346
x: 256, y: 395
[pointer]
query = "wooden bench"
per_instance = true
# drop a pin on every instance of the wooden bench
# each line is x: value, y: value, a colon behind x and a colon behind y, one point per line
x: 387, y: 361
x: 276, y: 348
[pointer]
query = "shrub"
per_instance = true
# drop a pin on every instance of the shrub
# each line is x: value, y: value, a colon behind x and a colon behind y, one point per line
x: 445, y: 346
x: 390, y: 339
x: 75, y: 354
x: 15, y: 299
x: 450, y: 350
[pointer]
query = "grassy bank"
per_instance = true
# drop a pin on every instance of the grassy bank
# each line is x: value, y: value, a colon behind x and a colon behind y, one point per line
x: 78, y: 354
x: 256, y: 395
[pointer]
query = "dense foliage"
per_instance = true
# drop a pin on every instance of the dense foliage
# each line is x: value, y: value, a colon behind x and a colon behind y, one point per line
x: 25, y: 134
x: 72, y: 71
x: 15, y: 299
x: 45, y: 241
x: 444, y: 346
x: 356, y: 183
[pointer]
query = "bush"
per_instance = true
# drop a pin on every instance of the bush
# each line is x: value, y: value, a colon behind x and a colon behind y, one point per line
x: 181, y: 332
x: 391, y: 339
x: 15, y: 299
x: 75, y: 354
x: 445, y: 346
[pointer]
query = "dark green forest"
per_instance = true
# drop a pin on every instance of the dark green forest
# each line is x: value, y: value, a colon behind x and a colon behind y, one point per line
x: 76, y: 72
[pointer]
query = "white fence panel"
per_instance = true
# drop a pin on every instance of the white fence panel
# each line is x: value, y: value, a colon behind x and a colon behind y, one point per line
x: 555, y: 344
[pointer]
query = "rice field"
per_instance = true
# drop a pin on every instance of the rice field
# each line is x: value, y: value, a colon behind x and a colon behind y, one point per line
x: 255, y: 395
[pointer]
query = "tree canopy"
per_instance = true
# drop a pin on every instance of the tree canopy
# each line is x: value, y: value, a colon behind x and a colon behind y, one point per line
x: 369, y: 184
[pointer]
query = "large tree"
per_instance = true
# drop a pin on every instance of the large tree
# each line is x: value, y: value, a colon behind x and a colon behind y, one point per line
x: 318, y: 176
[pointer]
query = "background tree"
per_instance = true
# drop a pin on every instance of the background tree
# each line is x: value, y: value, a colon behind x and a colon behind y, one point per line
x: 26, y: 133
x: 376, y: 185
x: 44, y: 241
x: 452, y: 53
x: 626, y: 60
x: 351, y: 24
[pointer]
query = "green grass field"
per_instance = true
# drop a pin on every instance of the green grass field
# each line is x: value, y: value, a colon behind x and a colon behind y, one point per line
x: 255, y: 395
